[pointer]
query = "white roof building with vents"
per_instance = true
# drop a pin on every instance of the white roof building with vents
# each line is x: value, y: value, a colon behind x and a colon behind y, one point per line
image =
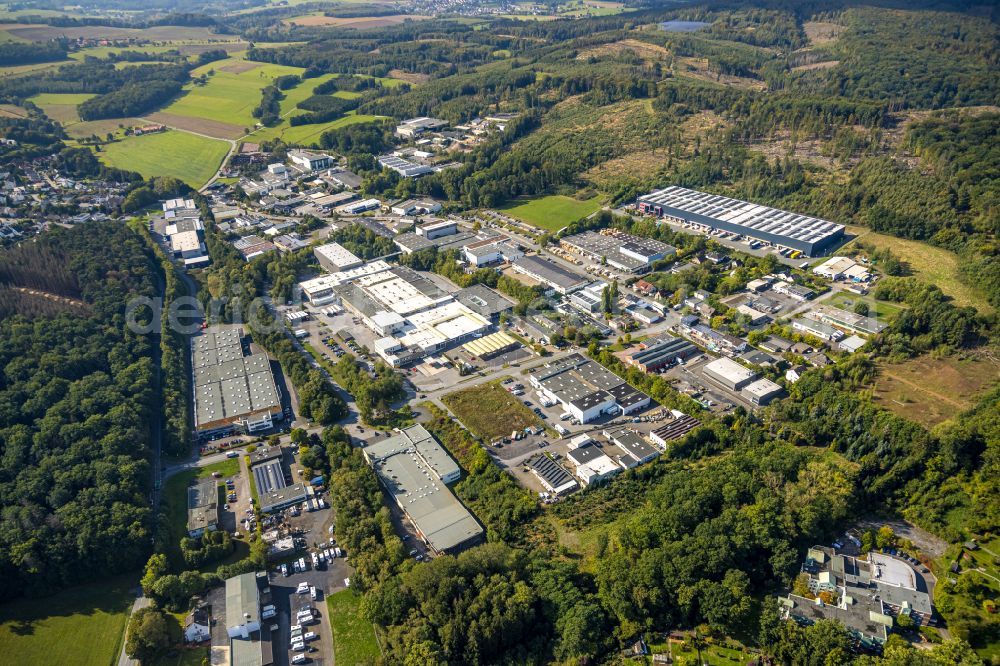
x: 334, y: 257
x: 809, y: 235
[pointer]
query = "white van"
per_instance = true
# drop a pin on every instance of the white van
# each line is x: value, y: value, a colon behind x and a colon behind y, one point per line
x: 312, y: 593
x: 300, y: 659
x: 299, y: 647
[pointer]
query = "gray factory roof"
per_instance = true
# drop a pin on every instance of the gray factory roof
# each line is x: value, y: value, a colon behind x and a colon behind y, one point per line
x: 549, y: 272
x: 203, y: 507
x: 412, y: 242
x: 228, y: 385
x: 632, y: 443
x: 580, y: 381
x: 282, y: 497
x: 611, y: 247
x: 752, y: 216
x: 269, y: 476
x: 483, y: 300
x: 667, y: 345
x: 590, y: 400
x: 856, y: 617
x: 676, y: 428
x: 241, y: 599
x: 410, y: 466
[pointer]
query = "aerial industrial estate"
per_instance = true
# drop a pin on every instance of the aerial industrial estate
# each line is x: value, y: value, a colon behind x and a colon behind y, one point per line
x: 489, y: 333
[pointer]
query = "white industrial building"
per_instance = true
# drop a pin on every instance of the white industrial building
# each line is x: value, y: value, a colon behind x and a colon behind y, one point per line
x: 592, y: 464
x: 334, y: 257
x: 310, y: 161
x: 319, y: 290
x: 491, y: 250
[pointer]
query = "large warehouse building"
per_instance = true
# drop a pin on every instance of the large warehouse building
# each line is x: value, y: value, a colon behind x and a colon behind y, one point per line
x: 232, y: 392
x: 415, y: 471
x: 809, y: 235
x: 632, y: 254
x: 585, y: 389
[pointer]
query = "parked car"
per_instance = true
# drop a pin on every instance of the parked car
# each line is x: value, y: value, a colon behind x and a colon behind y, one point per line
x: 233, y: 454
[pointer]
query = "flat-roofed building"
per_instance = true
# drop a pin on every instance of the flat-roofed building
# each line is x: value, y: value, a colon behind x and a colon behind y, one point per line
x: 636, y: 450
x: 334, y: 257
x: 553, y: 476
x: 416, y: 207
x: 320, y: 290
x: 679, y: 425
x: 809, y: 235
x: 586, y: 389
x: 729, y: 373
x: 632, y: 254
x: 762, y: 391
x: 850, y: 321
x: 415, y: 470
x: 185, y: 244
x: 437, y: 229
x: 404, y: 168
x: 817, y: 329
x: 202, y: 507
x: 358, y: 207
x: 660, y: 352
x: 550, y: 274
x: 484, y: 301
x: 592, y: 464
x: 232, y: 392
x: 249, y: 639
x: 483, y: 252
x: 309, y: 160
x: 414, y: 127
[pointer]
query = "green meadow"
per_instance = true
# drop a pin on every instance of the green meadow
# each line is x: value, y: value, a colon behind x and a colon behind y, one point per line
x: 553, y: 212
x: 193, y: 159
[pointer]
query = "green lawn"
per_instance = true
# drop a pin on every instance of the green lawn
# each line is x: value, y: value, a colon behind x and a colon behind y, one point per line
x: 490, y: 411
x: 228, y: 97
x: 881, y: 309
x: 354, y: 639
x: 193, y: 159
x: 552, y: 212
x: 175, y: 503
x: 61, y: 106
x: 188, y: 657
x: 81, y: 626
x: 307, y: 135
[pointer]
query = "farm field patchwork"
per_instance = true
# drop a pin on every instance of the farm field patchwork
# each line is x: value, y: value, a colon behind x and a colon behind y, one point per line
x: 61, y: 106
x: 357, y: 22
x: 552, y: 212
x: 80, y: 626
x: 190, y: 158
x: 490, y: 411
x: 307, y: 135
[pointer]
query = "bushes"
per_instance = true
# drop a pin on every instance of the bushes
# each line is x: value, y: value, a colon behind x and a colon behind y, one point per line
x: 209, y: 547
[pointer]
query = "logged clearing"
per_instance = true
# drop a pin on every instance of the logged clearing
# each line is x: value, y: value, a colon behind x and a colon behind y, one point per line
x: 240, y: 66
x: 552, y: 212
x: 490, y: 411
x: 610, y: 172
x: 358, y: 22
x: 212, y: 128
x: 639, y: 48
x: 80, y: 626
x: 931, y: 264
x: 190, y: 158
x: 409, y: 77
x: 931, y: 390
x: 697, y: 68
x: 821, y: 33
x: 825, y: 64
x: 12, y: 111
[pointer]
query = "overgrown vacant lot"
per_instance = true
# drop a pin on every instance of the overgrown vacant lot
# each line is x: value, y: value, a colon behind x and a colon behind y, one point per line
x: 81, y: 626
x: 190, y: 158
x: 930, y: 390
x: 354, y: 639
x: 490, y: 411
x: 553, y: 212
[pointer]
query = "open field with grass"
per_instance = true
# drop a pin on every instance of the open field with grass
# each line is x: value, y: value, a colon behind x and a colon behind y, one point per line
x: 307, y: 135
x: 930, y: 390
x: 883, y: 310
x: 61, y: 106
x: 926, y: 262
x: 552, y: 212
x: 12, y: 111
x: 190, y: 158
x: 231, y: 92
x: 175, y: 501
x: 163, y: 33
x: 490, y: 411
x: 187, y: 657
x: 80, y: 626
x: 357, y: 22
x: 354, y: 639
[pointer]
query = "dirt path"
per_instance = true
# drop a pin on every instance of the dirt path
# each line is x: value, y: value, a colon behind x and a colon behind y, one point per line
x: 924, y: 389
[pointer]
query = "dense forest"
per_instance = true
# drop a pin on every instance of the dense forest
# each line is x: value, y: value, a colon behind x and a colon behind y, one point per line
x: 76, y: 397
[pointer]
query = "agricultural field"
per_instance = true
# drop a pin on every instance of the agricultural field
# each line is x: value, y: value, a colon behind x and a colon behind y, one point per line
x: 163, y: 33
x: 490, y: 411
x: 61, y: 107
x: 193, y: 159
x: 354, y: 640
x: 931, y: 264
x: 552, y: 212
x: 958, y: 380
x: 357, y: 22
x: 307, y: 135
x: 80, y: 626
x: 232, y: 91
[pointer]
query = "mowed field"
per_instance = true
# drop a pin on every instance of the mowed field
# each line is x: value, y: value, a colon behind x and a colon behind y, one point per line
x: 308, y: 135
x: 931, y: 390
x: 552, y: 212
x: 61, y: 107
x: 490, y: 411
x: 190, y: 158
x: 80, y: 626
x: 354, y: 640
x: 931, y: 264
